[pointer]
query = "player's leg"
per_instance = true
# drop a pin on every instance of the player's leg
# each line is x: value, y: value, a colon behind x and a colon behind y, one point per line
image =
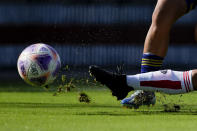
x: 167, y: 81
x: 165, y: 14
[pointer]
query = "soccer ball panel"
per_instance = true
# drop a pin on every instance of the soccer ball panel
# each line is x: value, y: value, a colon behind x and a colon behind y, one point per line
x: 40, y: 80
x: 34, y: 70
x: 42, y: 60
x: 23, y: 65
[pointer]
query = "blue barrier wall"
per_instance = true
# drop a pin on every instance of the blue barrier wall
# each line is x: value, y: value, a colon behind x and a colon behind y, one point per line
x: 84, y: 55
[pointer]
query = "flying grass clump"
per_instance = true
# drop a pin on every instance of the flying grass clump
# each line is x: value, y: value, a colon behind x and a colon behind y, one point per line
x: 65, y: 86
x: 83, y: 97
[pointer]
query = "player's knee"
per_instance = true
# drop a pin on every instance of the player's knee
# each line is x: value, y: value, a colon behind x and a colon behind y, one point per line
x: 159, y: 22
x: 157, y: 17
x: 159, y: 29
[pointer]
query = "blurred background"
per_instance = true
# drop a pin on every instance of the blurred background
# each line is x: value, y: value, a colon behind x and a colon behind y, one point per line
x: 85, y: 32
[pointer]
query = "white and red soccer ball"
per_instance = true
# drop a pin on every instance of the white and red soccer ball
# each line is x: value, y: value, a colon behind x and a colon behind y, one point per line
x: 39, y: 64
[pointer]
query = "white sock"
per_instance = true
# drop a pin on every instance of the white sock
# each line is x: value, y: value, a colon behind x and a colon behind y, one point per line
x: 167, y: 81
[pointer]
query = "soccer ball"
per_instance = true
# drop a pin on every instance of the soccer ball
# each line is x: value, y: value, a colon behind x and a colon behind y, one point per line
x: 39, y: 64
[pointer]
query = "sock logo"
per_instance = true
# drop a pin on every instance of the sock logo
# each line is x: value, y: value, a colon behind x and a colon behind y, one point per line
x: 164, y: 71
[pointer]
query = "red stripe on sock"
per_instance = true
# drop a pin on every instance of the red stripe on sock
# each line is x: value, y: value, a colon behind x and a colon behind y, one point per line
x: 162, y: 84
x: 184, y: 76
x: 188, y: 82
x: 188, y: 78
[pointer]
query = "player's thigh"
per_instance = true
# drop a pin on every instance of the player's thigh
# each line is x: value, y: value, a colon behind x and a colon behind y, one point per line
x: 168, y: 11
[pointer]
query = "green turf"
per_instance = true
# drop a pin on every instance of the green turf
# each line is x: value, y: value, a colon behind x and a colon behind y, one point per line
x: 24, y: 109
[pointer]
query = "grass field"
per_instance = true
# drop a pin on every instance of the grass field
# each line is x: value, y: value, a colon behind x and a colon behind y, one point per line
x: 24, y: 108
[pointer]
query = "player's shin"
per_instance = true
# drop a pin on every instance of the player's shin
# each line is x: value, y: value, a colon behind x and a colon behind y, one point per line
x: 167, y: 81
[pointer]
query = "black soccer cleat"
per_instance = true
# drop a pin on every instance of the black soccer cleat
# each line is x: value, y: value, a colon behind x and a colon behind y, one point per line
x: 115, y: 82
